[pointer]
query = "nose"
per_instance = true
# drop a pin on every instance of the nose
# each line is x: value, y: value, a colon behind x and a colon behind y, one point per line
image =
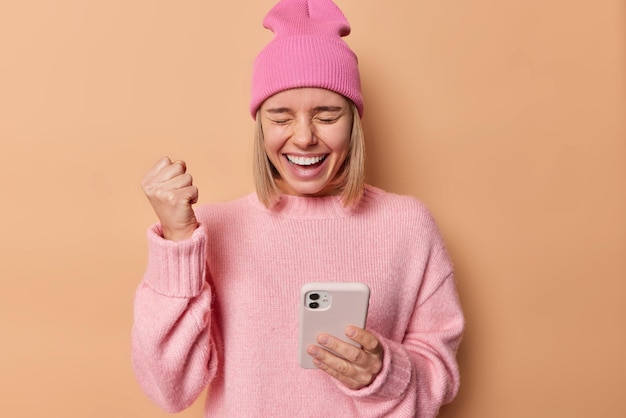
x: 303, y: 133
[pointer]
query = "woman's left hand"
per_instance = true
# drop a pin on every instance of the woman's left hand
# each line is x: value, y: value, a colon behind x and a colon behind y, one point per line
x: 359, y: 366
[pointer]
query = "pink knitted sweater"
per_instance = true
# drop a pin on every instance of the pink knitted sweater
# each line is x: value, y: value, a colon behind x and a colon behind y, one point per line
x: 221, y: 308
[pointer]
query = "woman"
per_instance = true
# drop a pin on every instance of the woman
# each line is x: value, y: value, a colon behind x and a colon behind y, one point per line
x: 218, y: 304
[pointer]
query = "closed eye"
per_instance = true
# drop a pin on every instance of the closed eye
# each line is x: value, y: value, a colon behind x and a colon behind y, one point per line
x: 328, y: 120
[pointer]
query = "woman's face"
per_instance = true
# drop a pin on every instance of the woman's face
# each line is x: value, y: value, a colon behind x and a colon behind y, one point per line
x: 306, y: 135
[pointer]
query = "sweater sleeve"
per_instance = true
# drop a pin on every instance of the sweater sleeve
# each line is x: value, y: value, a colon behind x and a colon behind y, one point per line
x: 420, y: 372
x: 172, y: 353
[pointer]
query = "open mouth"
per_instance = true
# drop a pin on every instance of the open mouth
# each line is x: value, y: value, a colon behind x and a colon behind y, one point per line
x: 306, y: 161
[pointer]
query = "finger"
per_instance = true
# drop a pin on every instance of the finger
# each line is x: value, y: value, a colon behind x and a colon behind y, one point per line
x: 189, y: 194
x: 182, y: 164
x: 368, y: 341
x: 332, y: 364
x: 337, y: 374
x: 153, y: 183
x: 344, y: 349
x: 173, y: 170
x: 157, y: 167
x: 340, y: 368
x: 161, y: 171
x: 193, y: 195
x: 163, y: 162
x: 178, y: 182
x: 330, y: 360
x: 175, y: 197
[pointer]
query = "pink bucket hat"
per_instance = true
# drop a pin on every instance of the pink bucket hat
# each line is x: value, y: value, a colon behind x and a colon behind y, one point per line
x: 306, y: 51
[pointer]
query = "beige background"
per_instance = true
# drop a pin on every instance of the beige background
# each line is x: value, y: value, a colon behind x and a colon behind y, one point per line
x: 505, y: 117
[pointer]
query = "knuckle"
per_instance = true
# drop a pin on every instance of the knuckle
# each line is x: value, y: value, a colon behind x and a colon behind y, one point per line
x: 171, y: 198
x: 377, y: 369
x: 147, y: 188
x: 319, y: 354
x: 166, y: 196
x: 373, y: 346
x: 332, y: 344
x: 147, y: 185
x: 179, y: 166
x: 160, y: 194
x: 328, y: 342
x: 374, y: 349
x: 194, y: 195
x: 343, y: 367
x: 364, y: 379
x: 355, y: 355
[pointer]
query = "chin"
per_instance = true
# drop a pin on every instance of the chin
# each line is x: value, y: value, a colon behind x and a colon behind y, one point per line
x: 316, y: 191
x: 304, y: 190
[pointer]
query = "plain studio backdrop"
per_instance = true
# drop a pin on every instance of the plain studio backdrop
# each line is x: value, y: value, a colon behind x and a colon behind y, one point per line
x: 506, y: 118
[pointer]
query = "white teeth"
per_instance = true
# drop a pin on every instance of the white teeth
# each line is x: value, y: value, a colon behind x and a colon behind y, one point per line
x: 304, y: 160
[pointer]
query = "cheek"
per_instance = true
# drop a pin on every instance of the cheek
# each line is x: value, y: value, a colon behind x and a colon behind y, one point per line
x: 340, y: 141
x: 271, y: 144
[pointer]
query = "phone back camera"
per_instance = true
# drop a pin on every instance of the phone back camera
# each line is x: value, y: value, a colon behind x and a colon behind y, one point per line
x: 319, y: 300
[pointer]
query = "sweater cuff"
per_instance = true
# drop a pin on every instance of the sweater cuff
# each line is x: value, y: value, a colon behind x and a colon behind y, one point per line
x: 176, y: 268
x: 393, y: 379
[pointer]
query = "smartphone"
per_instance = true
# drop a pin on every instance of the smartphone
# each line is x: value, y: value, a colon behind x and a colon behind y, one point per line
x: 329, y: 308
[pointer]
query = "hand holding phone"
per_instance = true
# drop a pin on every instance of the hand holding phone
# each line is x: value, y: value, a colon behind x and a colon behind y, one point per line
x: 329, y: 308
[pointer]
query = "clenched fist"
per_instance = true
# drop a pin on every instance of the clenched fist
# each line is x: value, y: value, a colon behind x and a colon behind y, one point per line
x: 171, y: 193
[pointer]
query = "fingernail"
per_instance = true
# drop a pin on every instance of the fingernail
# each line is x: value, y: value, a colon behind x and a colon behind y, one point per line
x: 313, y: 350
x: 323, y: 339
x: 350, y: 332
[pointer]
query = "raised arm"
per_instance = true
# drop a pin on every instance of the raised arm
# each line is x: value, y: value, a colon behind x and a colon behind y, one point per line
x: 173, y: 350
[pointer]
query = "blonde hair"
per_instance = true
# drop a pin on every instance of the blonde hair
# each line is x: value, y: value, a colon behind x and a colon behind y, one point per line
x: 350, y: 179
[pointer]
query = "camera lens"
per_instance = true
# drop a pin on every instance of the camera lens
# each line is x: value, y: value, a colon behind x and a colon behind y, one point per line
x: 314, y: 305
x: 314, y: 296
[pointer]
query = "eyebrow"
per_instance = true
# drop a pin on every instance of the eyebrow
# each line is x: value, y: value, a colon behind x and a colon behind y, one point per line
x: 277, y: 110
x: 316, y: 109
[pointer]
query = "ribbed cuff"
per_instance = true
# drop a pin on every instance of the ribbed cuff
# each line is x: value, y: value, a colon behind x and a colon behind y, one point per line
x: 176, y: 268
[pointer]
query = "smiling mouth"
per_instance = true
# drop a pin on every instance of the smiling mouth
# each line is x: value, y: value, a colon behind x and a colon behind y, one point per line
x: 306, y: 161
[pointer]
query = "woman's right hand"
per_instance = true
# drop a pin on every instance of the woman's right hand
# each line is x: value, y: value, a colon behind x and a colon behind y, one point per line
x: 171, y: 193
